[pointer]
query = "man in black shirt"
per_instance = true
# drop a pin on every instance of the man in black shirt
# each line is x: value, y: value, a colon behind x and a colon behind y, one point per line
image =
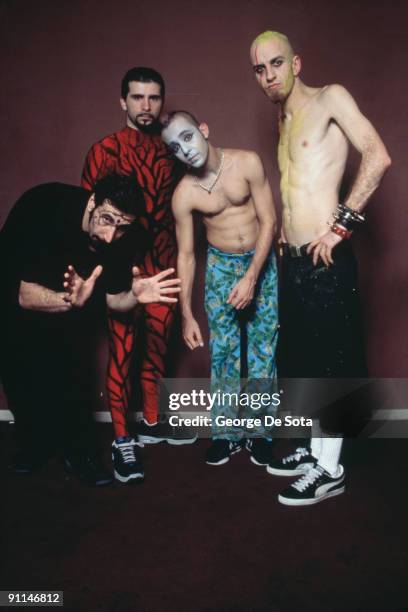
x: 62, y: 248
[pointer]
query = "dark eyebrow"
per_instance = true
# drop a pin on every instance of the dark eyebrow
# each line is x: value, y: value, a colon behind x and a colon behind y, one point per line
x: 185, y: 132
x: 278, y: 57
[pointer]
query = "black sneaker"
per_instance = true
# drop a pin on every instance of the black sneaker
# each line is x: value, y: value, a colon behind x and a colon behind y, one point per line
x: 260, y: 449
x: 26, y: 463
x: 314, y: 486
x: 164, y: 432
x: 127, y: 466
x: 88, y: 469
x: 221, y: 450
x: 293, y: 465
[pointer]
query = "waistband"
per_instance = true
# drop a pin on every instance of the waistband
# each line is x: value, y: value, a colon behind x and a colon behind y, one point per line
x: 291, y: 250
x: 212, y: 249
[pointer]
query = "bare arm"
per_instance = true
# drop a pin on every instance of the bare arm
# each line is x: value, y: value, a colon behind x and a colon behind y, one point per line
x: 186, y: 265
x: 261, y: 193
x: 145, y: 291
x: 37, y: 297
x: 374, y: 161
x: 361, y: 133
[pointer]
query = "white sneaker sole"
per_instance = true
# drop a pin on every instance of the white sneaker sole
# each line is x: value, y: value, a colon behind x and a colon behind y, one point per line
x: 150, y: 439
x: 128, y: 479
x: 302, y: 469
x: 226, y: 459
x: 172, y: 441
x: 175, y: 442
x: 310, y: 502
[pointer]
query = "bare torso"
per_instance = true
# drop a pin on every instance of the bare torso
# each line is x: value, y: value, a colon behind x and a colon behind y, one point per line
x: 228, y: 211
x: 312, y: 156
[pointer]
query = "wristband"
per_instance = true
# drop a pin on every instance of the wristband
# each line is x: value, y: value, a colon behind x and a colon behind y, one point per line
x: 341, y: 231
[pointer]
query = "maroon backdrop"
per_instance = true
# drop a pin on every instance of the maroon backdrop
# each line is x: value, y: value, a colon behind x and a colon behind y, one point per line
x: 61, y: 67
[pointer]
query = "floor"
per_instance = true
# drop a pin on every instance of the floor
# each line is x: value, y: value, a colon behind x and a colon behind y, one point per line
x: 196, y: 537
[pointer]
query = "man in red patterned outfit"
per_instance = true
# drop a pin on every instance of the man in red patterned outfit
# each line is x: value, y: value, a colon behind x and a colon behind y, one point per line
x: 138, y: 149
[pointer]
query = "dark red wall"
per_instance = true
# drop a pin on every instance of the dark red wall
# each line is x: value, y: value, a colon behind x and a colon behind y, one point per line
x: 61, y: 67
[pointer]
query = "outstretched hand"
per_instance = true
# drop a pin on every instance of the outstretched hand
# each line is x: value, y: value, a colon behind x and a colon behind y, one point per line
x: 78, y: 289
x: 322, y: 247
x: 154, y: 288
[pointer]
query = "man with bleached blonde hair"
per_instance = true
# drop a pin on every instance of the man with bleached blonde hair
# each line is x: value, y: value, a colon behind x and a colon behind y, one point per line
x: 321, y: 331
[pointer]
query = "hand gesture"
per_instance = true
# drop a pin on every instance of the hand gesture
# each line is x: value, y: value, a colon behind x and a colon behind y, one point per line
x: 78, y: 289
x: 154, y: 288
x: 192, y: 334
x: 322, y: 247
x: 242, y: 294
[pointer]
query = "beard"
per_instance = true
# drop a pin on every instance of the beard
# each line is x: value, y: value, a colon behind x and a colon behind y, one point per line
x: 154, y: 127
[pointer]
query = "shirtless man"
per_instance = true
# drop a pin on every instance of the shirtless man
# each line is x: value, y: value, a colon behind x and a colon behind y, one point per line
x: 229, y: 188
x: 320, y: 323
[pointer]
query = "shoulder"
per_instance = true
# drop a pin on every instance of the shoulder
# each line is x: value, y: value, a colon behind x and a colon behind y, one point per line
x: 248, y: 162
x: 335, y: 94
x: 111, y: 141
x: 183, y: 196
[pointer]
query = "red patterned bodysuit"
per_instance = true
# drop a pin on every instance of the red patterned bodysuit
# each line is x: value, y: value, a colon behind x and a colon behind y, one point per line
x: 126, y: 152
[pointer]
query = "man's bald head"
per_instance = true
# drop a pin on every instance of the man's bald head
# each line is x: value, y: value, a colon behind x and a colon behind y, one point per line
x: 271, y: 35
x: 275, y: 65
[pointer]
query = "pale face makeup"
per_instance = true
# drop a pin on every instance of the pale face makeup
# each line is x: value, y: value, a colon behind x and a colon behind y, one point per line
x: 274, y: 68
x: 186, y: 141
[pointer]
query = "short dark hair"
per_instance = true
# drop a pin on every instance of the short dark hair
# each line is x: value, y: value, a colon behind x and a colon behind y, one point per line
x: 169, y: 118
x: 143, y: 75
x: 123, y: 192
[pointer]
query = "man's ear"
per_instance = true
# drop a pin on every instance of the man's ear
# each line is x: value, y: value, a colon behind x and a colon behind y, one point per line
x: 204, y: 129
x: 296, y: 65
x: 91, y: 203
x: 123, y: 104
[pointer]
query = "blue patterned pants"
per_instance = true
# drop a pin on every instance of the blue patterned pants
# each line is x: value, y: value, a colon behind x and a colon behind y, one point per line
x: 260, y: 322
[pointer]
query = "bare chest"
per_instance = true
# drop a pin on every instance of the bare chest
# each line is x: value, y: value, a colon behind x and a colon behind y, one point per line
x: 225, y: 195
x: 305, y: 135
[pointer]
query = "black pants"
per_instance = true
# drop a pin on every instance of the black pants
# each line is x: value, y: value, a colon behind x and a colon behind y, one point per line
x: 47, y: 372
x: 321, y: 332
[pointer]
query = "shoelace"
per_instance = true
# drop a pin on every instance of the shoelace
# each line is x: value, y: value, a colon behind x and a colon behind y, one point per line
x: 298, y: 454
x: 127, y: 450
x: 308, y: 479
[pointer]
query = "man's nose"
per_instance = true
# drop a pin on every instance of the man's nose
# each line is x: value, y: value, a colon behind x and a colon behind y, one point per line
x: 270, y: 74
x: 109, y: 233
x: 146, y: 104
x: 185, y: 147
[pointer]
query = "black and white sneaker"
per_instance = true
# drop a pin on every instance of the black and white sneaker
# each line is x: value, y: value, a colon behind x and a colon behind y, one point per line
x: 221, y: 450
x: 127, y: 466
x: 164, y: 432
x: 260, y: 449
x: 293, y: 465
x: 313, y: 487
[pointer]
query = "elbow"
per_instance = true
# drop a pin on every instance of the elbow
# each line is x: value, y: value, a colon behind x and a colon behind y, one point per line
x: 22, y: 300
x: 386, y: 161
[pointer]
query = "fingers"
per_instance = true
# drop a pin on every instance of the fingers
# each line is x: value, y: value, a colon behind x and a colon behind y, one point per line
x: 232, y: 295
x: 164, y: 274
x: 136, y: 271
x: 167, y: 300
x: 96, y: 273
x: 170, y: 283
x: 170, y: 290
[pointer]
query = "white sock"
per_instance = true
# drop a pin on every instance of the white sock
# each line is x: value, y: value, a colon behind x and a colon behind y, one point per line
x: 330, y: 455
x: 316, y: 447
x: 149, y: 424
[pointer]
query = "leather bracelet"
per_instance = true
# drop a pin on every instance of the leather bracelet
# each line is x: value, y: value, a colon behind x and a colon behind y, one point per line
x: 341, y: 231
